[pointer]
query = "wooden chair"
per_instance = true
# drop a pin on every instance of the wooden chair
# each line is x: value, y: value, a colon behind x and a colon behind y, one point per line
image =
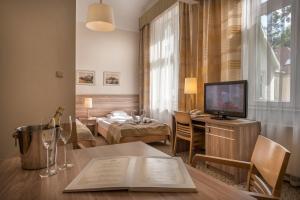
x: 185, y: 131
x: 265, y: 170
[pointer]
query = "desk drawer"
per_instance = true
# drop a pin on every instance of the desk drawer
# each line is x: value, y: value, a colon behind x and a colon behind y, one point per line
x: 221, y: 142
x: 224, y: 132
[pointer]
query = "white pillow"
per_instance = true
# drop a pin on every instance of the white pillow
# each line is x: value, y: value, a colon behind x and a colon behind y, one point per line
x: 119, y: 117
x: 119, y: 113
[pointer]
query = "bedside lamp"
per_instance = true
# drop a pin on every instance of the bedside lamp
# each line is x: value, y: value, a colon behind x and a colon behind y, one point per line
x: 88, y: 103
x: 190, y: 87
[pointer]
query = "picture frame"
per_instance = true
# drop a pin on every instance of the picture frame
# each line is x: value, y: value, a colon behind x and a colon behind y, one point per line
x: 85, y: 77
x: 111, y: 78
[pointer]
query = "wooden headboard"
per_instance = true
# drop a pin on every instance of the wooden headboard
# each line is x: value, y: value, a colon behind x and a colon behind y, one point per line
x: 104, y: 104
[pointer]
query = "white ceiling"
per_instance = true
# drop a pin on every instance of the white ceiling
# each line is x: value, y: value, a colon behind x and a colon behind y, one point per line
x: 126, y: 12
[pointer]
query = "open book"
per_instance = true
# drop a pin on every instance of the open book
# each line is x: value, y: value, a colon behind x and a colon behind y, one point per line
x: 153, y: 174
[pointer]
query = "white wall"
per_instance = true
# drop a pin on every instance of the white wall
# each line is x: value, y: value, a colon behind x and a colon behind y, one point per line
x: 37, y: 39
x: 115, y: 51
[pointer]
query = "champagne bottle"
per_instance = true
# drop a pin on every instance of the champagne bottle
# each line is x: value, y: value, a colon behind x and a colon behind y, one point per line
x: 55, y: 121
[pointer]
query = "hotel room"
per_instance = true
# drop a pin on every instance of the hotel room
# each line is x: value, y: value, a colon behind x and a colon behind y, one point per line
x: 150, y: 99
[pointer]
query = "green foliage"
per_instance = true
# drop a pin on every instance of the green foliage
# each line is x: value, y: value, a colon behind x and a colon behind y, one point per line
x: 279, y: 28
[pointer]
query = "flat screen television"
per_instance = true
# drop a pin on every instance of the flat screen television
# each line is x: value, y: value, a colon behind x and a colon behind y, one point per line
x: 226, y: 99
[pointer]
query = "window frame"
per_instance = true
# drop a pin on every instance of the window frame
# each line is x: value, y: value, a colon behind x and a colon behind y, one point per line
x: 266, y: 8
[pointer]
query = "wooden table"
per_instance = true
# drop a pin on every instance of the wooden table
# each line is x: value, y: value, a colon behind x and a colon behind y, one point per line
x: 16, y: 183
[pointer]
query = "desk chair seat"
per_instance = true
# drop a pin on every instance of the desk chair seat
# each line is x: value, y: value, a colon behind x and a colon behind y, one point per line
x: 185, y: 131
x: 265, y: 170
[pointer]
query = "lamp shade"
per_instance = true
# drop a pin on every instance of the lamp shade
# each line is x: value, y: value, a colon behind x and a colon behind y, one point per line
x: 190, y: 86
x: 100, y: 18
x: 88, y: 102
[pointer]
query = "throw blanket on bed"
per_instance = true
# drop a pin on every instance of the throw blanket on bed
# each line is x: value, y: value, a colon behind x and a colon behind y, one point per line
x: 84, y: 134
x: 118, y: 130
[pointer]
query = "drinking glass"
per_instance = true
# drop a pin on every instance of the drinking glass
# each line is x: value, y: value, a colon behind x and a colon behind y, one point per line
x: 142, y: 116
x: 58, y: 131
x: 48, y: 137
x: 134, y: 117
x: 65, y: 134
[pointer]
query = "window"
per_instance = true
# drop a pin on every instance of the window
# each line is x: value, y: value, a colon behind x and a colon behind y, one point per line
x: 274, y: 65
x: 164, y: 64
x: 271, y: 64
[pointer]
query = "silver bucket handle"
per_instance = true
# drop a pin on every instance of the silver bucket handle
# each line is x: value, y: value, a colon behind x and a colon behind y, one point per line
x: 15, y: 136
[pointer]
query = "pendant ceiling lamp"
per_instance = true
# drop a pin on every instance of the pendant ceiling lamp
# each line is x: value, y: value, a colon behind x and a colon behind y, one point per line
x: 100, y: 17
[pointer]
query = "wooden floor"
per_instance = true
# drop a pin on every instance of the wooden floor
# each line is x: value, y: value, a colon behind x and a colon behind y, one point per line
x: 288, y: 192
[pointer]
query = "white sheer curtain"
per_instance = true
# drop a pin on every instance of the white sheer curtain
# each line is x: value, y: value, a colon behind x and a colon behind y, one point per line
x: 164, y: 64
x: 271, y: 63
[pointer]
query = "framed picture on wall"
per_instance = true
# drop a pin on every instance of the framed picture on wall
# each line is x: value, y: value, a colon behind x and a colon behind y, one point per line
x: 111, y: 78
x: 85, y: 77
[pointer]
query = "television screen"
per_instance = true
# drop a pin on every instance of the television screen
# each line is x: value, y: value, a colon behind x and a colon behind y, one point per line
x: 226, y: 98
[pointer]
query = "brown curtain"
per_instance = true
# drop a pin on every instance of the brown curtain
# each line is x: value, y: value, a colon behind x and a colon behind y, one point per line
x: 231, y: 11
x: 144, y: 65
x: 185, y: 66
x: 209, y: 46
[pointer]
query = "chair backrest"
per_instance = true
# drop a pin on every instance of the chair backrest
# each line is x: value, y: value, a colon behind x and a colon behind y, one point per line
x: 269, y: 162
x: 183, y: 123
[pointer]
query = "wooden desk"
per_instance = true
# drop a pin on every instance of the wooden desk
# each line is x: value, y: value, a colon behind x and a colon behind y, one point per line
x: 233, y: 139
x: 16, y: 183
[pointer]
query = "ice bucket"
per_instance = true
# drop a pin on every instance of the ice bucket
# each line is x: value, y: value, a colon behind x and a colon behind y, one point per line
x: 32, y: 152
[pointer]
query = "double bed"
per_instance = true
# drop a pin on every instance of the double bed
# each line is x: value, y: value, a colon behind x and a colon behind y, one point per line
x: 119, y: 127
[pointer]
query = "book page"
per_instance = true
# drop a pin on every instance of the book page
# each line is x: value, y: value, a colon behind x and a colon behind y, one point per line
x: 160, y: 171
x: 161, y: 174
x: 101, y: 173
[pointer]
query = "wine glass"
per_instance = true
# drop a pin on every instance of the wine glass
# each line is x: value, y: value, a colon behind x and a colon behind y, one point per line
x: 58, y: 131
x: 65, y: 134
x: 142, y: 116
x: 48, y: 137
x: 134, y: 117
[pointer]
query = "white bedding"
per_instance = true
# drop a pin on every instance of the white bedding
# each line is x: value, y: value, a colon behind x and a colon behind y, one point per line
x: 114, y: 119
x: 105, y: 122
x: 113, y: 128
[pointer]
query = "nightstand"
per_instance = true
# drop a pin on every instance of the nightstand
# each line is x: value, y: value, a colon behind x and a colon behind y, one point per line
x: 91, y: 123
